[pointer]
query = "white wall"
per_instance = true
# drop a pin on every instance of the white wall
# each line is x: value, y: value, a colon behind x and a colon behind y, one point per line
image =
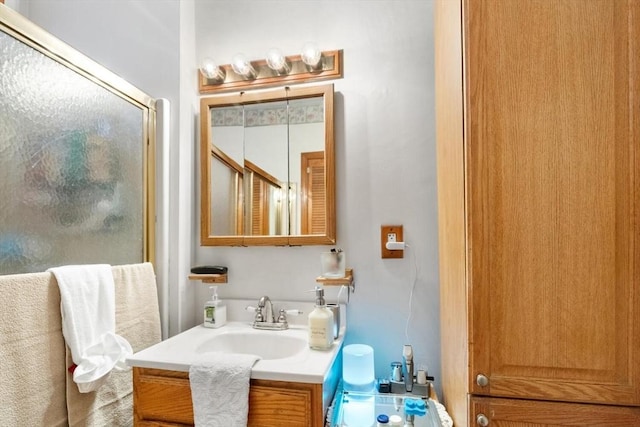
x: 385, y: 137
x: 137, y: 39
x: 184, y: 177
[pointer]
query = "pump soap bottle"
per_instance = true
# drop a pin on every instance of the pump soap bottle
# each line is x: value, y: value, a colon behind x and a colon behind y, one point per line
x: 215, y: 310
x: 320, y: 324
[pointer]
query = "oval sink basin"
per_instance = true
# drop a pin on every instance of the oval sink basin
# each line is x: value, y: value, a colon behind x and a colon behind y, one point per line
x: 266, y: 345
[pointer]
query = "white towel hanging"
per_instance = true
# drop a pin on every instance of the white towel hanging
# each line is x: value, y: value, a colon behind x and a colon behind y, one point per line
x: 88, y: 323
x: 220, y: 389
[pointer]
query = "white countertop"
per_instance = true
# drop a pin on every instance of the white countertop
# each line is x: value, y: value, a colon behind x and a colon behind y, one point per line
x: 308, y: 366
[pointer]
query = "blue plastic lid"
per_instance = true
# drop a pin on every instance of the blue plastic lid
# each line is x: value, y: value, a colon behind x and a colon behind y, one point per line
x: 415, y: 407
x: 383, y: 418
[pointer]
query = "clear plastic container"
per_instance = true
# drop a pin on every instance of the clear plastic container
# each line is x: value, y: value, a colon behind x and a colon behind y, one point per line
x: 358, y: 372
x: 333, y: 265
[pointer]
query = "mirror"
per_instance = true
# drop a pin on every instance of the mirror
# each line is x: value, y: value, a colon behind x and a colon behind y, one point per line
x: 267, y: 168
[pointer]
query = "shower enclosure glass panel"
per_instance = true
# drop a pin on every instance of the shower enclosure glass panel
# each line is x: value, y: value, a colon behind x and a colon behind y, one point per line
x: 72, y: 166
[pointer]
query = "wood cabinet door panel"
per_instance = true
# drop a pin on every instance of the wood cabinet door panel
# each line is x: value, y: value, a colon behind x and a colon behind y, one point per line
x: 554, y: 199
x: 279, y: 406
x: 162, y: 397
x: 530, y: 413
x: 158, y: 397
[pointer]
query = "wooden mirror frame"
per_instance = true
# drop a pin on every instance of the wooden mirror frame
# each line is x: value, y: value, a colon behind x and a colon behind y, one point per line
x: 206, y: 148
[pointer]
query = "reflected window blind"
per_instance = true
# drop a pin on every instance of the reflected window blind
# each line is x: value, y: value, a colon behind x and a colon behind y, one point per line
x: 313, y: 189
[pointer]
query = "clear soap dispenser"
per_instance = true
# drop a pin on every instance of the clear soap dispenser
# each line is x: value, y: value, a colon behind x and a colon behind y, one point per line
x: 215, y: 310
x: 320, y: 324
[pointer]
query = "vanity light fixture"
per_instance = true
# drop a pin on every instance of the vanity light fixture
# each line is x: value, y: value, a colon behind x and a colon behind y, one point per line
x: 277, y: 61
x: 211, y: 70
x: 242, y: 66
x: 276, y: 70
x: 311, y: 55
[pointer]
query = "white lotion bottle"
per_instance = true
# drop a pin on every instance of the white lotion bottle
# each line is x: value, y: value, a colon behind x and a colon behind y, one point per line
x: 215, y: 310
x: 320, y: 324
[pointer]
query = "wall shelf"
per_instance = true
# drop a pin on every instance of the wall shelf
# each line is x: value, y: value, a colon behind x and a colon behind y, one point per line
x: 209, y: 278
x: 347, y: 280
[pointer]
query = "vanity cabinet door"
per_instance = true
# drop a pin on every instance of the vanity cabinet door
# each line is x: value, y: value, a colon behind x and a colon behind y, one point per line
x: 496, y: 412
x: 553, y: 150
x: 162, y: 397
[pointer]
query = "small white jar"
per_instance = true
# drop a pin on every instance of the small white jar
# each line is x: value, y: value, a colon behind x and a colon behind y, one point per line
x: 395, y: 420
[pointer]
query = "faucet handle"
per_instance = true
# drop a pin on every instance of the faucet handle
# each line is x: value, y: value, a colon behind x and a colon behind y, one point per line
x: 259, y: 317
x: 252, y: 308
x: 282, y: 316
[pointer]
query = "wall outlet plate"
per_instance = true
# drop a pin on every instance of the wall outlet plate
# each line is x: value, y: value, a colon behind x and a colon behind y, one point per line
x: 388, y: 232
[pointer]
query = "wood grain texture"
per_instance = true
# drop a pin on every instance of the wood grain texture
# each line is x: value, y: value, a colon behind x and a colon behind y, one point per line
x: 162, y: 397
x: 451, y: 207
x: 312, y: 185
x: 550, y: 268
x: 529, y: 413
x: 550, y: 151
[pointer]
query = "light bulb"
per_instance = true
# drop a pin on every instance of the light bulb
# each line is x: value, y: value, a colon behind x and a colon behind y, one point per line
x: 276, y: 61
x: 210, y: 69
x: 311, y: 54
x: 242, y: 66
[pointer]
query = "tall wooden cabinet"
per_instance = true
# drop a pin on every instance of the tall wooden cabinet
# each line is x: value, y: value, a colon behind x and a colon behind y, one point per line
x: 538, y: 133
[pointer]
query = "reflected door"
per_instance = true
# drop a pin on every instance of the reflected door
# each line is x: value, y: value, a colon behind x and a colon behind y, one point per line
x: 313, y: 193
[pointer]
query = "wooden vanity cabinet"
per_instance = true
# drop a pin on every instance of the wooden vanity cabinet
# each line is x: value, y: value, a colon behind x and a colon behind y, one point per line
x: 163, y: 398
x: 538, y: 138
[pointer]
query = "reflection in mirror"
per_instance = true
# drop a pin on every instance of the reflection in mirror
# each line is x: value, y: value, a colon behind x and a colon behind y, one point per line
x: 265, y: 154
x: 227, y: 171
x: 264, y: 204
x: 306, y: 165
x: 228, y: 176
x: 268, y: 168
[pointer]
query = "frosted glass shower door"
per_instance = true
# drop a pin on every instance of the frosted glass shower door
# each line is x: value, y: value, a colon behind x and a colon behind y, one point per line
x: 73, y: 164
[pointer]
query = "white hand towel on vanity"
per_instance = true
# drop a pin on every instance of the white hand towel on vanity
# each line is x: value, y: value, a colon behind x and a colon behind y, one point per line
x: 220, y: 389
x: 88, y: 323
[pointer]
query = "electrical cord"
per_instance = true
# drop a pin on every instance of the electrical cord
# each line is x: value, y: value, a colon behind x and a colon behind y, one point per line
x: 413, y: 287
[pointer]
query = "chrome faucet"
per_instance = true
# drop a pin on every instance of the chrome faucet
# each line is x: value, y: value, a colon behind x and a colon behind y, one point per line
x: 266, y: 319
x: 407, y: 357
x: 268, y: 315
